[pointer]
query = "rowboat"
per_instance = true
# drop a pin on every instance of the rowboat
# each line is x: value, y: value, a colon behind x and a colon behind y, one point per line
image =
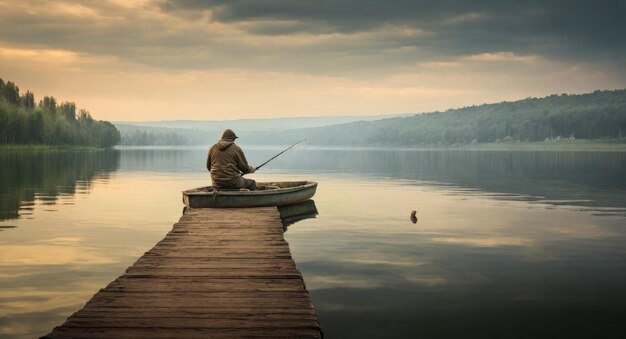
x: 268, y: 194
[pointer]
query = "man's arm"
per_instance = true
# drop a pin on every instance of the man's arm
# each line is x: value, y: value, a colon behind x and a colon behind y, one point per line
x: 243, y: 163
x: 208, y: 161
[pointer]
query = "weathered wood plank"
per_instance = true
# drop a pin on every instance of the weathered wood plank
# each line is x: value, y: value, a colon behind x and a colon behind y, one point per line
x: 179, y: 295
x: 191, y: 284
x: 219, y: 273
x: 192, y: 333
x: 204, y: 302
x: 225, y: 311
x: 220, y: 255
x: 213, y: 265
x: 178, y: 322
x: 213, y: 261
x: 282, y: 272
x: 150, y: 313
x: 230, y: 238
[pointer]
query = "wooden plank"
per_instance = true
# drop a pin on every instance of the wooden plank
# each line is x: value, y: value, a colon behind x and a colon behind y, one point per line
x: 224, y: 238
x: 192, y: 333
x: 219, y: 273
x: 129, y: 301
x: 153, y: 313
x: 224, y: 265
x: 168, y: 284
x: 238, y: 242
x: 280, y: 295
x: 223, y: 255
x: 182, y: 310
x: 207, y: 323
x: 213, y: 261
x: 262, y: 248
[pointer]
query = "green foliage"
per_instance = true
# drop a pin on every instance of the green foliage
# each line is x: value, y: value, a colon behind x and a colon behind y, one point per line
x: 21, y: 122
x: 597, y: 115
x: 28, y: 100
x: 10, y: 92
x: 600, y: 115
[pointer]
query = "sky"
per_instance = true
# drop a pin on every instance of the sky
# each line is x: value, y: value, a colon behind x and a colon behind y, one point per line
x: 127, y: 60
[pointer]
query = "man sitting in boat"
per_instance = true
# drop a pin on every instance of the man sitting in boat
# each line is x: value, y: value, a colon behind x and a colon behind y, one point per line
x: 227, y: 164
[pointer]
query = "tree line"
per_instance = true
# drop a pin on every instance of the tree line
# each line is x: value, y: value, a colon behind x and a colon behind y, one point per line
x: 600, y: 115
x: 597, y: 115
x: 23, y: 121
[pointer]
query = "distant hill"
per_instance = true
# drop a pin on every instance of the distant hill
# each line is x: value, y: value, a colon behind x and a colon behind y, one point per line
x: 597, y: 115
x: 200, y: 132
x: 273, y: 124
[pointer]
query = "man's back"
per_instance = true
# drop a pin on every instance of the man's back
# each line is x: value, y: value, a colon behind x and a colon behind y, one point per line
x: 227, y: 163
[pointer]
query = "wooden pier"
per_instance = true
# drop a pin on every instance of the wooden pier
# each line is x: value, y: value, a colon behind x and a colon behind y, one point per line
x: 219, y: 273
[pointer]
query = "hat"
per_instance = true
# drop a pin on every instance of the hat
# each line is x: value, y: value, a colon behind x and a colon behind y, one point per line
x: 229, y: 134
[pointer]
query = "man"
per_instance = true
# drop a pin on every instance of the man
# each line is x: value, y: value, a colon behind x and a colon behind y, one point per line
x: 227, y: 164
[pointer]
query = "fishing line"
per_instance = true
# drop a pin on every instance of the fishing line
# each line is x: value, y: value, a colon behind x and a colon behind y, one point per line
x: 285, y: 150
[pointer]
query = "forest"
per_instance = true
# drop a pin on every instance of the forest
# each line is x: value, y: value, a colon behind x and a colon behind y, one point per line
x: 23, y: 121
x: 600, y: 115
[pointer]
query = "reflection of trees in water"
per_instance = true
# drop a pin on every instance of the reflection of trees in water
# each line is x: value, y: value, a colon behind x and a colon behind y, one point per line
x: 593, y: 178
x: 166, y: 160
x: 47, y: 175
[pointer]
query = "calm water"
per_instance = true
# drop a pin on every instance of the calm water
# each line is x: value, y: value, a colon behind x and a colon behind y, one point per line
x: 508, y: 244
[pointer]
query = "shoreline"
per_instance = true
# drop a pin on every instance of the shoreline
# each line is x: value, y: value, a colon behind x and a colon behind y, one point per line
x: 552, y: 145
x: 47, y: 148
x: 567, y: 145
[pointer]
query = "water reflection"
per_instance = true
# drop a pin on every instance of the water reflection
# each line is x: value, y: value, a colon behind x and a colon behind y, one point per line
x: 471, y: 268
x: 47, y: 177
x: 291, y: 214
x: 594, y: 180
x: 481, y: 262
x: 589, y: 179
x: 54, y: 261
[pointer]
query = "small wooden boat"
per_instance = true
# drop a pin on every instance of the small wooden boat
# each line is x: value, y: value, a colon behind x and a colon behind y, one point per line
x: 268, y: 194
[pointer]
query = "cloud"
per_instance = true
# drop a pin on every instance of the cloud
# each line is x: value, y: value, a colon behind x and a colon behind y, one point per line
x: 326, y: 57
x: 502, y: 57
x: 321, y: 36
x: 545, y: 27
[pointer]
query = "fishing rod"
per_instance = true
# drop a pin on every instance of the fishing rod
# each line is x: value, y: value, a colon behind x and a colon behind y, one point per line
x: 274, y: 157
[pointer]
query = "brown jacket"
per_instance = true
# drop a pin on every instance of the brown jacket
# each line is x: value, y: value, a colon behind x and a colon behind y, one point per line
x: 227, y: 163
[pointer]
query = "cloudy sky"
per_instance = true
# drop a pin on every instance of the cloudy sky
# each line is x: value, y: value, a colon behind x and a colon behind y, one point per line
x: 218, y: 59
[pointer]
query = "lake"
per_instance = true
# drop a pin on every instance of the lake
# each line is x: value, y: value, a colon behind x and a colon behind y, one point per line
x: 508, y: 244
